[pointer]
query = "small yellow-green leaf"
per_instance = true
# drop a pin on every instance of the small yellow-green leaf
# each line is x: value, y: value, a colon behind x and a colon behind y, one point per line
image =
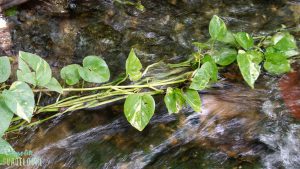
x: 139, y: 109
x: 174, y: 100
x: 249, y: 67
x: 217, y: 28
x: 193, y: 99
x: 229, y: 38
x: 202, y: 77
x: 95, y: 70
x: 277, y: 63
x: 244, y: 40
x: 225, y: 56
x: 70, y: 74
x: 133, y: 66
x: 284, y: 41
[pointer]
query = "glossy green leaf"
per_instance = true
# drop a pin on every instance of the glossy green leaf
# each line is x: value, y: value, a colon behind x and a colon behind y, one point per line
x: 217, y: 28
x: 5, y: 69
x: 20, y: 100
x: 6, y: 152
x: 256, y: 56
x: 202, y: 77
x: 139, y: 109
x: 133, y: 66
x: 70, y: 74
x: 284, y: 41
x: 95, y: 70
x: 41, y: 74
x: 192, y: 98
x: 53, y: 85
x: 229, y: 38
x: 244, y: 40
x: 174, y: 100
x: 225, y: 56
x: 6, y: 116
x: 277, y: 63
x: 249, y: 67
x: 214, y: 75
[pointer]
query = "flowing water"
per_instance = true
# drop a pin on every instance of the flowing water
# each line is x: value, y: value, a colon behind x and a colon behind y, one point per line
x: 237, y: 128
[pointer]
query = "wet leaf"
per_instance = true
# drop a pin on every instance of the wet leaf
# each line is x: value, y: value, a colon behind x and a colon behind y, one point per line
x: 249, y: 67
x: 244, y: 40
x: 225, y: 56
x: 284, y: 41
x: 20, y: 100
x: 217, y: 28
x: 95, y: 70
x: 202, y: 77
x: 6, y: 151
x: 133, y: 66
x: 229, y: 38
x: 256, y: 56
x: 193, y: 99
x: 70, y: 74
x: 174, y: 100
x: 277, y: 63
x: 6, y: 116
x: 214, y: 75
x: 138, y: 109
x: 5, y: 69
x: 42, y: 73
x: 53, y: 85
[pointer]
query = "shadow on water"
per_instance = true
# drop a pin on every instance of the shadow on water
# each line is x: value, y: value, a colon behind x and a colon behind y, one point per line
x: 238, y: 127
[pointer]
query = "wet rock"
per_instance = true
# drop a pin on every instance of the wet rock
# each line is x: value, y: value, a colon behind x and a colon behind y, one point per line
x: 290, y: 90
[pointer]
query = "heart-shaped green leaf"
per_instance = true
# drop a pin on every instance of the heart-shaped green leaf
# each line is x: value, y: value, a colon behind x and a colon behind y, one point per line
x: 133, y: 66
x: 174, y: 100
x: 6, y: 115
x: 42, y: 73
x: 249, y: 67
x: 193, y: 99
x: 284, y: 41
x: 225, y: 56
x: 5, y: 69
x: 138, y: 109
x: 277, y: 63
x: 95, y: 70
x: 244, y: 40
x: 53, y: 85
x: 217, y: 28
x: 229, y: 38
x: 20, y: 100
x: 70, y: 74
x: 202, y: 77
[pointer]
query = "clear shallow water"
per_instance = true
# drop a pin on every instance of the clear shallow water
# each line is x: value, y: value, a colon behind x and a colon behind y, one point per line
x: 238, y: 127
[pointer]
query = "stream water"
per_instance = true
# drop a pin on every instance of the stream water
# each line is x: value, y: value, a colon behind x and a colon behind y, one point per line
x: 238, y: 127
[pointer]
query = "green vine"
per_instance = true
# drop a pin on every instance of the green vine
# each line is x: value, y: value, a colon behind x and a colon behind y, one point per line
x: 274, y: 53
